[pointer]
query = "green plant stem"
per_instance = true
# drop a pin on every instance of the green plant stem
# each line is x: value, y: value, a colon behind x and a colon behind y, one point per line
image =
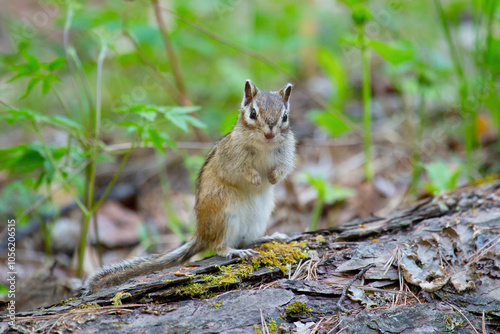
x: 81, y: 72
x: 316, y: 213
x: 90, y: 172
x: 97, y: 240
x: 114, y: 178
x: 416, y: 159
x: 67, y: 27
x: 367, y: 117
x: 64, y: 181
x: 42, y: 200
x: 175, y: 223
x: 62, y: 102
x: 469, y: 116
x: 487, y: 58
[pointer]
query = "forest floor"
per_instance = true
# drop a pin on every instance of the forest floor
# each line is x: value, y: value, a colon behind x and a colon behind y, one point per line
x: 434, y: 267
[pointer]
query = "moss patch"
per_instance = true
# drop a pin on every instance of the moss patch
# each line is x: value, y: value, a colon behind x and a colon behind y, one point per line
x: 273, y: 254
x: 117, y: 299
x: 192, y: 290
x: 272, y: 328
x: 297, y: 309
x: 89, y: 305
x: 280, y: 255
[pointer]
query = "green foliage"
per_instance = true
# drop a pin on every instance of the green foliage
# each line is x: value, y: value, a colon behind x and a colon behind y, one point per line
x: 26, y: 158
x: 327, y: 194
x: 230, y: 42
x: 328, y: 122
x: 39, y: 73
x: 4, y: 290
x: 12, y: 116
x: 442, y: 176
x: 395, y: 53
x: 151, y: 116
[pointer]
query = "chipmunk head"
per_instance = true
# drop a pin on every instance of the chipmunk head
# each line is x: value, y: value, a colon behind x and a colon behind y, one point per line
x: 265, y: 114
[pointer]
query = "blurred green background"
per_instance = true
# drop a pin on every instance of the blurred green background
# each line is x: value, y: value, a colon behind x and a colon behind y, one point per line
x: 393, y: 101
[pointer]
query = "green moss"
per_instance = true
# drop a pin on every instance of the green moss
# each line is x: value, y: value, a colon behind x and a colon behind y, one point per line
x: 192, y: 290
x: 89, y: 305
x: 229, y: 275
x: 271, y: 255
x: 272, y: 328
x: 280, y: 255
x: 320, y: 239
x: 117, y: 299
x: 67, y: 301
x: 297, y: 309
x: 219, y: 304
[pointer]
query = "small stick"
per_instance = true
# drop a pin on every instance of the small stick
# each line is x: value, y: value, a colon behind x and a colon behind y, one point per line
x: 348, y: 285
x: 483, y: 326
x: 463, y: 315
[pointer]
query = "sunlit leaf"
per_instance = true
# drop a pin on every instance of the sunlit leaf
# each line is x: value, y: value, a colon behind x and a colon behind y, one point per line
x: 328, y: 122
x: 31, y: 84
x: 156, y: 139
x: 335, y: 69
x: 57, y: 64
x: 442, y: 176
x: 334, y: 193
x: 394, y: 53
x: 329, y: 193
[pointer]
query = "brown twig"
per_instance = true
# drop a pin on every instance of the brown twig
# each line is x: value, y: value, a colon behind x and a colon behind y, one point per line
x: 155, y: 73
x: 463, y: 315
x: 348, y: 285
x: 172, y: 57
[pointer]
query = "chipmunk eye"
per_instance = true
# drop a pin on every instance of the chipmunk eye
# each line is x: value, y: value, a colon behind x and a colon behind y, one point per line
x: 253, y: 114
x: 285, y: 118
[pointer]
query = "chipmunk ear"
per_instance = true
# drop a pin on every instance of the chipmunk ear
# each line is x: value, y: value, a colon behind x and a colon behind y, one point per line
x: 285, y: 93
x: 249, y: 92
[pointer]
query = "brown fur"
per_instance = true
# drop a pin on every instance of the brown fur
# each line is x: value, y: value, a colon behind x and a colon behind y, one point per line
x: 235, y: 168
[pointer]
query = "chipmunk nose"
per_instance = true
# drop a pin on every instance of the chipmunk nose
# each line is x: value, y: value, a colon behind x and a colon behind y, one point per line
x: 269, y: 135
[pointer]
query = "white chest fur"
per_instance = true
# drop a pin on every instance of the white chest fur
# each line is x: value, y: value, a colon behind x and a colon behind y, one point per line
x: 247, y: 217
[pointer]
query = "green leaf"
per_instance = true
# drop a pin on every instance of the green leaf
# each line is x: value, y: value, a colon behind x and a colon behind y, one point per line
x: 46, y: 85
x: 22, y: 70
x: 20, y: 159
x: 442, y: 177
x: 31, y: 84
x: 180, y: 118
x: 334, y: 68
x: 229, y: 121
x: 328, y: 122
x: 32, y: 61
x: 14, y: 115
x: 334, y: 193
x: 63, y: 122
x: 327, y: 192
x: 394, y: 53
x: 156, y: 139
x: 57, y: 64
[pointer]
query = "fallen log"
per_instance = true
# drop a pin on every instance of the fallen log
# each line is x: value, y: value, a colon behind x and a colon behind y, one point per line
x: 434, y: 267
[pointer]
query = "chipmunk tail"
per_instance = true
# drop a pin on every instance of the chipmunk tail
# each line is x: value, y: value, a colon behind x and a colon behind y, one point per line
x: 123, y: 271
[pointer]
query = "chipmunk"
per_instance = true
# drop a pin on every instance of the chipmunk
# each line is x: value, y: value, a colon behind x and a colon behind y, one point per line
x: 234, y: 191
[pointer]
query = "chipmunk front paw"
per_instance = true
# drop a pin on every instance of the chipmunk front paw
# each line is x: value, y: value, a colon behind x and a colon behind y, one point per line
x: 254, y: 177
x: 275, y: 176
